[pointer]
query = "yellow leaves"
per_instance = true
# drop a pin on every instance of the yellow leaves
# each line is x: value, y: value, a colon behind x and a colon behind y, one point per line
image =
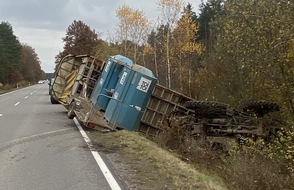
x: 283, y: 148
x: 131, y: 17
x: 148, y: 50
x: 170, y: 10
x: 123, y: 11
x: 133, y: 24
x: 176, y: 4
x: 186, y: 34
x: 191, y: 47
x: 282, y: 140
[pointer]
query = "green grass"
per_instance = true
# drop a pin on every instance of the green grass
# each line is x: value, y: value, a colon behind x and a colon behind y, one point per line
x: 145, y: 165
x: 4, y: 91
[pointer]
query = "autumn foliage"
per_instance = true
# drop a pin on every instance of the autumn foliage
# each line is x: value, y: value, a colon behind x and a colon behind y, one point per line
x: 232, y: 51
x: 19, y: 64
x: 79, y: 39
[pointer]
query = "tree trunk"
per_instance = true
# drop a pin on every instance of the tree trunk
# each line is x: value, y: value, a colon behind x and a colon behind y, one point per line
x: 190, y: 80
x: 135, y: 53
x: 287, y: 93
x: 168, y: 62
x: 155, y: 61
x: 180, y: 74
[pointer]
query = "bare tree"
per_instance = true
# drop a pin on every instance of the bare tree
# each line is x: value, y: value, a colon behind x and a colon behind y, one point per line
x: 133, y: 27
x: 170, y: 11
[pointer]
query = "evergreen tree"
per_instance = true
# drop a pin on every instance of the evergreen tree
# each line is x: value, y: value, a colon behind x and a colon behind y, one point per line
x: 9, y: 54
x: 209, y: 11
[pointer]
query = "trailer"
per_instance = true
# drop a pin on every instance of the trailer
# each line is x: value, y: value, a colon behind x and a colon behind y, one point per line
x: 215, y: 123
x: 118, y: 94
x: 119, y: 97
x: 163, y: 102
x: 76, y: 76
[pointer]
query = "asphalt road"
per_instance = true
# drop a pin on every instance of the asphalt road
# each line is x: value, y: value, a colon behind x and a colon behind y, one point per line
x: 40, y: 148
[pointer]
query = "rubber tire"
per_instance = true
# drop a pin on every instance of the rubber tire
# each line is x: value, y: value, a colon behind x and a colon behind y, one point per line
x: 261, y: 108
x: 205, y: 105
x: 53, y: 100
x: 70, y: 111
x: 207, y: 109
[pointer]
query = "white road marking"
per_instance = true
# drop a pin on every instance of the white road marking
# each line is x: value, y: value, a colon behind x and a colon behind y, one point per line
x: 1, y: 114
x: 106, y: 172
x: 16, y: 103
x: 32, y: 93
x: 26, y: 97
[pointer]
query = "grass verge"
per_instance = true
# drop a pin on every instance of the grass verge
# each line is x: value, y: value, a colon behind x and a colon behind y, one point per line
x: 145, y: 165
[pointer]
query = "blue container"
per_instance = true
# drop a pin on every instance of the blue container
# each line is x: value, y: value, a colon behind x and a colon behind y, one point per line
x: 108, y: 80
x: 132, y: 93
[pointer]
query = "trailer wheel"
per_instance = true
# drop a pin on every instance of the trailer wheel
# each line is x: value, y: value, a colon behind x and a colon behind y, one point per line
x: 70, y: 112
x: 207, y: 109
x: 53, y: 100
x: 260, y: 108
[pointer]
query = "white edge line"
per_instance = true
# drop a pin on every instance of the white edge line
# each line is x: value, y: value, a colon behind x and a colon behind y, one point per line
x: 106, y: 172
x: 16, y: 104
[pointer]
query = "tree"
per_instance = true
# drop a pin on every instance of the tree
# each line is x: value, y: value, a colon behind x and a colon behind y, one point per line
x: 139, y: 30
x: 209, y: 11
x: 30, y: 64
x: 156, y: 43
x: 251, y: 53
x: 123, y: 14
x: 187, y: 49
x: 170, y: 10
x: 151, y: 49
x: 79, y: 39
x: 106, y: 48
x: 133, y: 27
x: 9, y: 54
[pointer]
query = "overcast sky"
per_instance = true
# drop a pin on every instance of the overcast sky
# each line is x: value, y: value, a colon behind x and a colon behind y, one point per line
x: 42, y: 23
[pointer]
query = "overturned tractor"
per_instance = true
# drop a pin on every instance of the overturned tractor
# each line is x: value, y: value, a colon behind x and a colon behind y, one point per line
x: 219, y: 124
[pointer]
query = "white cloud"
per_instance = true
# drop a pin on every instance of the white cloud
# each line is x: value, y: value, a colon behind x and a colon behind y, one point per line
x: 47, y: 44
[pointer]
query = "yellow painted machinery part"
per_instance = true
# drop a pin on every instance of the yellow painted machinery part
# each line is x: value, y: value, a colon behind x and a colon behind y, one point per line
x: 70, y: 80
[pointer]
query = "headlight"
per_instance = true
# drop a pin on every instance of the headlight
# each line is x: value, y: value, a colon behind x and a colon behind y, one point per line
x: 78, y: 103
